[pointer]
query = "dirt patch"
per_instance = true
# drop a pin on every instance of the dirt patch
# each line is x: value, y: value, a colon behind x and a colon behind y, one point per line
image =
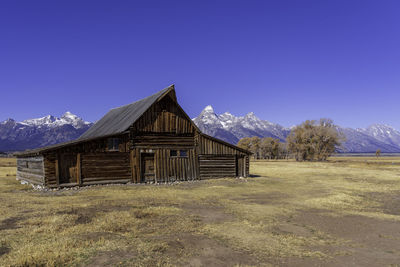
x: 10, y: 223
x: 4, y: 250
x: 390, y: 202
x: 86, y: 214
x: 111, y: 258
x: 208, y: 214
x: 363, y: 241
x: 188, y: 249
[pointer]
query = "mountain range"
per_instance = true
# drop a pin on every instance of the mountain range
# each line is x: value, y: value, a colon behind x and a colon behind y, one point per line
x: 49, y: 130
x: 33, y: 133
x: 232, y: 128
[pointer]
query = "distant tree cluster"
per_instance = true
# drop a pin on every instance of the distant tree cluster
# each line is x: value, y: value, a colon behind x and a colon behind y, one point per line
x: 312, y: 140
x: 264, y: 148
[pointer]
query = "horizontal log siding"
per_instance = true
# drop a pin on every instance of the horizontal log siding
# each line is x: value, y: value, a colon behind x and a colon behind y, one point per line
x: 105, y: 168
x: 31, y: 169
x: 214, y: 166
x: 50, y: 169
x: 163, y: 141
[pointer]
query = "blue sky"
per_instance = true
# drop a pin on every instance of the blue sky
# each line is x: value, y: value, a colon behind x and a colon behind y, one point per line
x: 287, y: 61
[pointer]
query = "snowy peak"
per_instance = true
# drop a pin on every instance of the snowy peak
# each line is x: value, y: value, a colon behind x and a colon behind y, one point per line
x: 51, y: 121
x: 39, y: 132
x: 208, y: 109
x: 208, y: 117
x: 232, y: 128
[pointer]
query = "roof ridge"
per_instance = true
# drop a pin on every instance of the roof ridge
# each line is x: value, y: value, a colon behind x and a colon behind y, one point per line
x: 166, y: 89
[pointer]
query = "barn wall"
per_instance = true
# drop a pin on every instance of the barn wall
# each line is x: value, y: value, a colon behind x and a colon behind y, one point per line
x: 210, y: 146
x: 82, y: 153
x: 167, y: 168
x: 214, y: 166
x: 163, y: 117
x: 31, y: 169
x: 215, y: 159
x: 111, y: 167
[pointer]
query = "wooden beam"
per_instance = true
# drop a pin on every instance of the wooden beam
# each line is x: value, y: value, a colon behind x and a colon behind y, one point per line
x: 132, y: 163
x: 57, y: 171
x: 78, y: 169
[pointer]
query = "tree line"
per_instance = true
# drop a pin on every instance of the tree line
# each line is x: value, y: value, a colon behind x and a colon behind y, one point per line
x: 310, y: 141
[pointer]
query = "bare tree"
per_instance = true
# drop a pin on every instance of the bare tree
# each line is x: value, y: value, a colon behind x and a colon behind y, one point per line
x: 314, y: 140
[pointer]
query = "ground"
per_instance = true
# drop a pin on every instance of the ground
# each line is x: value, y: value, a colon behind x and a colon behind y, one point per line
x: 338, y: 213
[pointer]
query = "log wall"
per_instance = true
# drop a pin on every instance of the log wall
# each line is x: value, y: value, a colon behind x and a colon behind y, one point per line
x: 31, y: 169
x: 111, y: 167
x: 215, y: 166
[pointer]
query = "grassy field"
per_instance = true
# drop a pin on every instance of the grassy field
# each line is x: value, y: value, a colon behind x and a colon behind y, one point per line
x: 342, y: 212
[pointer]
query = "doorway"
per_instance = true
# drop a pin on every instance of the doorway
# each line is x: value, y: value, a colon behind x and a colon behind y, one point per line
x: 67, y: 167
x: 147, y: 168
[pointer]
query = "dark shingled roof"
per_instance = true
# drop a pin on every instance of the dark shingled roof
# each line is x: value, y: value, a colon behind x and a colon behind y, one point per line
x: 116, y: 121
x: 119, y: 119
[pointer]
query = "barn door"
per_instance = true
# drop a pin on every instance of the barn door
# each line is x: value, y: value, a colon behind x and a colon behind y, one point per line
x: 67, y: 168
x: 147, y: 168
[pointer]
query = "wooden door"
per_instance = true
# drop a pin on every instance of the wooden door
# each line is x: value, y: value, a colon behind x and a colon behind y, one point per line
x: 67, y: 168
x: 147, y: 168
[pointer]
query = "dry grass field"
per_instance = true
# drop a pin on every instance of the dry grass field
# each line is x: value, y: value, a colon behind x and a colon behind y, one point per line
x: 337, y: 213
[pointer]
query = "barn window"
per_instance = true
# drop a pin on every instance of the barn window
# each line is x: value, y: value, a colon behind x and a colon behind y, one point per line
x: 113, y: 144
x: 183, y: 153
x: 173, y: 153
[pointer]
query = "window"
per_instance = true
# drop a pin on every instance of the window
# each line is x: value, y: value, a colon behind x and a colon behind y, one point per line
x: 113, y: 144
x: 183, y: 153
x: 174, y: 153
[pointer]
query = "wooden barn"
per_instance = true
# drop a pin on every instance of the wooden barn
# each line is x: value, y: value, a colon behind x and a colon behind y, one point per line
x: 150, y: 140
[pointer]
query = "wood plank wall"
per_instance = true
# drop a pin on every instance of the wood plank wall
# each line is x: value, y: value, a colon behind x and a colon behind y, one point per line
x: 213, y: 149
x: 165, y: 117
x: 31, y: 169
x: 210, y: 146
x: 214, y: 166
x: 167, y: 168
x: 105, y: 168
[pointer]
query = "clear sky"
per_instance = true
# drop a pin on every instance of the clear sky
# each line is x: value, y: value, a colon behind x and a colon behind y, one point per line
x: 287, y: 61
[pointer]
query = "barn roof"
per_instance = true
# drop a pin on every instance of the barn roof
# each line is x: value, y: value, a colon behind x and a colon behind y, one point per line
x: 119, y: 119
x: 116, y: 121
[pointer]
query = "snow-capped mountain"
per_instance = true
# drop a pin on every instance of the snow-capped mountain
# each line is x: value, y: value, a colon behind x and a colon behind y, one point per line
x: 231, y: 129
x: 49, y: 130
x: 34, y: 133
x: 383, y: 133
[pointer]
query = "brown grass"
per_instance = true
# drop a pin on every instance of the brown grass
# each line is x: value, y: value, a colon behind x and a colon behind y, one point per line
x: 288, y: 213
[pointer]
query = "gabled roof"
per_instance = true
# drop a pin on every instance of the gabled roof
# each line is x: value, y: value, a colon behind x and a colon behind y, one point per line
x: 118, y: 120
